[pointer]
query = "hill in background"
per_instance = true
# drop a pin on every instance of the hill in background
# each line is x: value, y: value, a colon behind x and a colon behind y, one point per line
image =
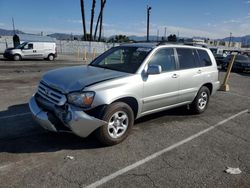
x: 64, y: 36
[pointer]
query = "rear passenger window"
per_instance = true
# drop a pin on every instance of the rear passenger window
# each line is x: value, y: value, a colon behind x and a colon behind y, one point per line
x: 165, y: 58
x: 204, y: 58
x: 186, y: 58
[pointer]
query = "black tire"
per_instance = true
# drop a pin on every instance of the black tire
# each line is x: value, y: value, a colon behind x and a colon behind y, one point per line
x: 51, y: 57
x: 200, y: 103
x: 106, y: 134
x: 17, y: 57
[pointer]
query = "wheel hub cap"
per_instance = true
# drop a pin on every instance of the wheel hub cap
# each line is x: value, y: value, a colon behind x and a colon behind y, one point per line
x: 118, y: 124
x: 202, y: 102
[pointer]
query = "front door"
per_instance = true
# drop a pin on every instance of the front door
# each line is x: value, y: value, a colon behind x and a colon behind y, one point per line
x: 28, y: 52
x: 161, y: 90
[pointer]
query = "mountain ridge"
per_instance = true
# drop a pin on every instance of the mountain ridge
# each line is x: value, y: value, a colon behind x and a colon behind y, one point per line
x: 64, y: 36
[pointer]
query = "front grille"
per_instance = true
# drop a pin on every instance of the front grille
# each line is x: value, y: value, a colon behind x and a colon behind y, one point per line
x: 50, y: 94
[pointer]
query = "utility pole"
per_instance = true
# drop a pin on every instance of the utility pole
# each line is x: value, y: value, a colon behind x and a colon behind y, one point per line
x: 148, y: 14
x: 229, y: 45
x: 13, y: 24
x: 157, y: 35
x: 165, y: 33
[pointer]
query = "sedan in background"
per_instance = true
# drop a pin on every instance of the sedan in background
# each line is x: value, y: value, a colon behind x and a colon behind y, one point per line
x: 241, y: 63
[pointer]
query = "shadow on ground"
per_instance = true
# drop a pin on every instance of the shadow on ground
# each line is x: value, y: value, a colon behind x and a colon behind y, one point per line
x: 21, y: 134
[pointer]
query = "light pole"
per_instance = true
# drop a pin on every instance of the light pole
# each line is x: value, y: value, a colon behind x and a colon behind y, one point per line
x: 148, y: 14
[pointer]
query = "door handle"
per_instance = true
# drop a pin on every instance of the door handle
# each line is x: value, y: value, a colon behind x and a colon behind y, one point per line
x: 175, y: 76
x: 34, y: 50
x: 199, y: 71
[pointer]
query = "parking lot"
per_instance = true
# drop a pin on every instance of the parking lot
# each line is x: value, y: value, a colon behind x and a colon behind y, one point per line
x: 167, y: 149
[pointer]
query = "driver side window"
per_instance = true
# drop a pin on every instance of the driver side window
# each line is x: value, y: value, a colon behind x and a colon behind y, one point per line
x: 28, y: 46
x: 164, y: 58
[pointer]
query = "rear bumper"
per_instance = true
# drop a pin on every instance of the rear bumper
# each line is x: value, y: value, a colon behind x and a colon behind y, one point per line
x: 74, y: 119
x: 216, y: 87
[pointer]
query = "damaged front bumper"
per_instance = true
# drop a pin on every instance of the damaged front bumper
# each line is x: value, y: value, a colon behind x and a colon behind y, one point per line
x: 73, y: 118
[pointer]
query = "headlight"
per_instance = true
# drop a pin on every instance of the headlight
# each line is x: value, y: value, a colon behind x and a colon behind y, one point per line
x: 83, y: 99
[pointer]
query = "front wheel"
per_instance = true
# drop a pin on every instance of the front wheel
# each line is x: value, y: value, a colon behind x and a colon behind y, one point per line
x: 200, y: 103
x: 17, y: 57
x: 120, y: 119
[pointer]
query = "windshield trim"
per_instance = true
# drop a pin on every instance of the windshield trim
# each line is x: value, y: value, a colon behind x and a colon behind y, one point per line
x: 20, y: 46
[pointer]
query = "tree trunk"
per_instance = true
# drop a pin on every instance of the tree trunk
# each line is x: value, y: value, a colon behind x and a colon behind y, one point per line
x: 100, y: 17
x: 92, y: 19
x: 100, y: 27
x: 83, y: 20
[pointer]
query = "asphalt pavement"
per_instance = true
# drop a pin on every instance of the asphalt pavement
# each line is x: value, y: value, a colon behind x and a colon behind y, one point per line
x: 169, y: 149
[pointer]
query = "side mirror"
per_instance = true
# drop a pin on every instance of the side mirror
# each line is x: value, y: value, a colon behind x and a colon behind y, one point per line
x: 154, y: 69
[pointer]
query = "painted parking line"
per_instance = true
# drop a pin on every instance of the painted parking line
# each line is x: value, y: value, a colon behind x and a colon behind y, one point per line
x: 239, y: 95
x: 161, y: 152
x: 15, y: 115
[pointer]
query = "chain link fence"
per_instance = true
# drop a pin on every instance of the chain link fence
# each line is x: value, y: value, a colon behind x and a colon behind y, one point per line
x: 69, y: 50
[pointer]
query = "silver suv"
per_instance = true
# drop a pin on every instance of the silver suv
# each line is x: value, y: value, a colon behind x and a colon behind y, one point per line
x: 124, y: 84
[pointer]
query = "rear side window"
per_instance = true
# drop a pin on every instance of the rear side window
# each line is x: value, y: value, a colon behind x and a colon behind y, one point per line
x: 204, y: 58
x: 165, y: 58
x: 186, y: 58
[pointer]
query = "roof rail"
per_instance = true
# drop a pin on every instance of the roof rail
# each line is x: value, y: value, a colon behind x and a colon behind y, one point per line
x: 182, y: 43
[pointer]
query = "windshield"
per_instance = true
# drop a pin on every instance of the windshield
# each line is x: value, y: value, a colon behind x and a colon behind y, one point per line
x: 20, y: 46
x: 122, y: 58
x: 242, y: 58
x: 238, y: 58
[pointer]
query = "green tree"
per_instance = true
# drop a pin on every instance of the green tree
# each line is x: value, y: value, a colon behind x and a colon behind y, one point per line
x: 119, y: 39
x: 172, y: 38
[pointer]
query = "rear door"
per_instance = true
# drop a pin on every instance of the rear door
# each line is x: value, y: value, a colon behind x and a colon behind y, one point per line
x: 191, y: 75
x: 161, y: 90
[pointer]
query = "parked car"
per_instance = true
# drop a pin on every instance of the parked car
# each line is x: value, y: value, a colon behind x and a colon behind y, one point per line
x: 124, y: 84
x: 219, y: 58
x: 32, y: 50
x: 241, y: 63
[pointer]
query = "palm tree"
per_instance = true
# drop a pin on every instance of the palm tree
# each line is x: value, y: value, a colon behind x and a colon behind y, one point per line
x: 99, y: 20
x: 92, y: 18
x: 83, y: 20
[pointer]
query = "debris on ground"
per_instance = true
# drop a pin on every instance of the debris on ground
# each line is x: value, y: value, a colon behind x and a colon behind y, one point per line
x: 69, y: 157
x: 233, y: 171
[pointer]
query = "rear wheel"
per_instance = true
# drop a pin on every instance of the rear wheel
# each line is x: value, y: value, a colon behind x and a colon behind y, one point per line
x: 51, y: 57
x: 17, y: 57
x: 120, y: 118
x: 200, y: 103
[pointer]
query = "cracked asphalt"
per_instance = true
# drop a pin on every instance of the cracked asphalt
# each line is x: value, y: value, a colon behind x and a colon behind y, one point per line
x: 32, y: 157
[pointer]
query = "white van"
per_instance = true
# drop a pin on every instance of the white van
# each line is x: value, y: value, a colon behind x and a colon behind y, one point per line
x: 32, y: 50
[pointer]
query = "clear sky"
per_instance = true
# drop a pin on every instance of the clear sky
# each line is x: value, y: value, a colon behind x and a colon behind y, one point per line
x: 205, y: 18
